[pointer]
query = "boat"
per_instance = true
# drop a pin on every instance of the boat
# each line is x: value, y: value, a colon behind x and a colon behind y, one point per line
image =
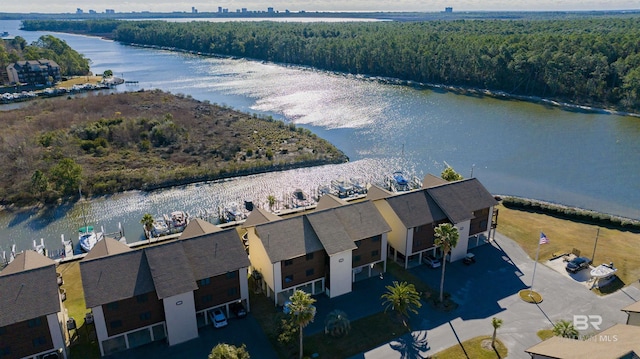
x: 233, y: 213
x: 177, y: 221
x: 87, y: 238
x: 360, y: 186
x: 603, y: 274
x: 159, y: 227
x: 300, y: 199
x: 343, y: 188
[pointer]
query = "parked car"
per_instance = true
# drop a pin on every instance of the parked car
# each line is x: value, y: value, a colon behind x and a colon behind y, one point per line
x: 431, y: 261
x: 238, y: 309
x: 218, y: 318
x: 577, y: 264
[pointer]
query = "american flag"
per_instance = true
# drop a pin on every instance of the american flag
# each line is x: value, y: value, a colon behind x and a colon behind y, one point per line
x: 543, y: 238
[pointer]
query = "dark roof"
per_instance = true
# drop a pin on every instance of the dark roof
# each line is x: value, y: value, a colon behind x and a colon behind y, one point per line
x: 329, y: 201
x: 460, y: 199
x: 107, y: 246
x: 198, y: 227
x: 259, y: 216
x: 115, y: 277
x: 27, y: 260
x: 215, y: 253
x: 416, y: 208
x: 330, y: 232
x: 170, y: 269
x: 375, y: 193
x: 288, y: 238
x: 28, y: 293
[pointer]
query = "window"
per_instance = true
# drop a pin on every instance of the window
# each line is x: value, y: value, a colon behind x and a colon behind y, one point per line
x: 112, y: 306
x: 145, y: 316
x: 310, y: 272
x: 207, y: 298
x: 142, y: 298
x: 356, y: 258
x: 39, y: 341
x: 309, y: 256
x: 203, y: 282
x: 288, y: 262
x: 375, y: 253
x: 232, y: 292
x: 3, y: 330
x: 35, y: 322
x: 375, y: 239
x: 116, y: 324
x: 231, y: 275
x: 289, y: 278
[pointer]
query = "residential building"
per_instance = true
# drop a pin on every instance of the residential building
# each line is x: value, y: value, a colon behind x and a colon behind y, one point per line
x: 633, y: 313
x: 617, y: 342
x: 166, y: 291
x: 323, y: 251
x: 34, y: 72
x: 32, y: 321
x: 413, y: 216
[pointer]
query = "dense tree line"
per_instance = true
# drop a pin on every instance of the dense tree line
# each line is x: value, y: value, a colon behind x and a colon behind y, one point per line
x: 48, y: 47
x: 585, y: 61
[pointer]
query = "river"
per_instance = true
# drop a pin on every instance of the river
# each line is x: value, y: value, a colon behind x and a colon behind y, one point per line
x: 588, y: 160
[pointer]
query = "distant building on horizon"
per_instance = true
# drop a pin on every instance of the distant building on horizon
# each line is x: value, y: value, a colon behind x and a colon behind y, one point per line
x: 79, y: 11
x: 448, y: 9
x: 194, y: 10
x: 110, y: 11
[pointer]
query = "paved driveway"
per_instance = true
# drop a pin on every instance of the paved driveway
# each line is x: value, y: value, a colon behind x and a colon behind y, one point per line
x: 489, y: 288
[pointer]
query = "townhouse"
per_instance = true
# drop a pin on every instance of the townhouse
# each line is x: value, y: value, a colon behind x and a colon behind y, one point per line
x: 413, y: 216
x: 34, y: 72
x: 166, y: 291
x: 32, y: 321
x: 323, y: 251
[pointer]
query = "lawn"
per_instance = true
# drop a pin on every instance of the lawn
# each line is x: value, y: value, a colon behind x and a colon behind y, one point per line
x: 619, y: 247
x: 82, y: 345
x: 474, y: 349
x: 79, y: 80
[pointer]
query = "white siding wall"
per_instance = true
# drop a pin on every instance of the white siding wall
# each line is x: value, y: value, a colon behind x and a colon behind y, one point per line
x: 55, y: 328
x: 101, y: 326
x: 244, y: 285
x: 340, y: 272
x: 460, y: 250
x: 180, y: 316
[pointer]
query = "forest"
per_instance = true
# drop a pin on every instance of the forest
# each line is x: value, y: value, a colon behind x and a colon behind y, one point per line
x: 585, y: 61
x: 48, y: 47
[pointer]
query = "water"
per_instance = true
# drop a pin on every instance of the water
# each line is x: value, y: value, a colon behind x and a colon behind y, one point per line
x: 513, y: 147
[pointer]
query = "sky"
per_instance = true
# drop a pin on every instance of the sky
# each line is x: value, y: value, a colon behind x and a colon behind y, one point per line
x: 70, y: 6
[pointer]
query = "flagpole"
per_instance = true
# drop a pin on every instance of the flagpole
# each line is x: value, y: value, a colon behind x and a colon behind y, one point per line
x: 534, y: 267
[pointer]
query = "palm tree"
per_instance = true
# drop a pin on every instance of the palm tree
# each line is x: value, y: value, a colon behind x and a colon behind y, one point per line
x: 147, y: 221
x: 228, y: 351
x: 446, y: 239
x: 302, y: 311
x: 449, y: 174
x: 496, y: 323
x: 565, y: 329
x: 337, y: 324
x: 271, y: 199
x: 403, y: 298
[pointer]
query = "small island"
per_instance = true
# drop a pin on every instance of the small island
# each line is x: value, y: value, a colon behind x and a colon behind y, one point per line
x: 108, y: 143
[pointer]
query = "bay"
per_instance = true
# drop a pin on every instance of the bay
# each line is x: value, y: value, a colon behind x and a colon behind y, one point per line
x: 588, y: 160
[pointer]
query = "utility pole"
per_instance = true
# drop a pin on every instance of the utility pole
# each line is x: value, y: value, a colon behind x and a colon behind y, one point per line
x: 595, y: 245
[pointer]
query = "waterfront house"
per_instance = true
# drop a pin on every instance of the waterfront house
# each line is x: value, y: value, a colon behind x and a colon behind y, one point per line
x: 323, y: 251
x: 34, y: 72
x: 32, y: 322
x: 413, y: 216
x: 163, y: 292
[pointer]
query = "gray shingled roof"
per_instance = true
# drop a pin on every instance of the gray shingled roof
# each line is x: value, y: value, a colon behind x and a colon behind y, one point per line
x: 375, y: 193
x: 198, y: 227
x: 288, y: 238
x: 362, y: 220
x: 29, y: 293
x: 331, y: 232
x: 416, y: 208
x: 259, y: 216
x: 459, y: 199
x: 170, y: 269
x: 432, y: 181
x: 107, y: 246
x: 116, y: 277
x: 215, y: 253
x: 26, y: 260
x: 329, y: 201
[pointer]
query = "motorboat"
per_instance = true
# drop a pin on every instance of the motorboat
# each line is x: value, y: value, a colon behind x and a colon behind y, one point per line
x: 87, y: 238
x: 603, y: 271
x: 159, y: 227
x: 343, y: 188
x: 177, y: 221
x: 233, y: 213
